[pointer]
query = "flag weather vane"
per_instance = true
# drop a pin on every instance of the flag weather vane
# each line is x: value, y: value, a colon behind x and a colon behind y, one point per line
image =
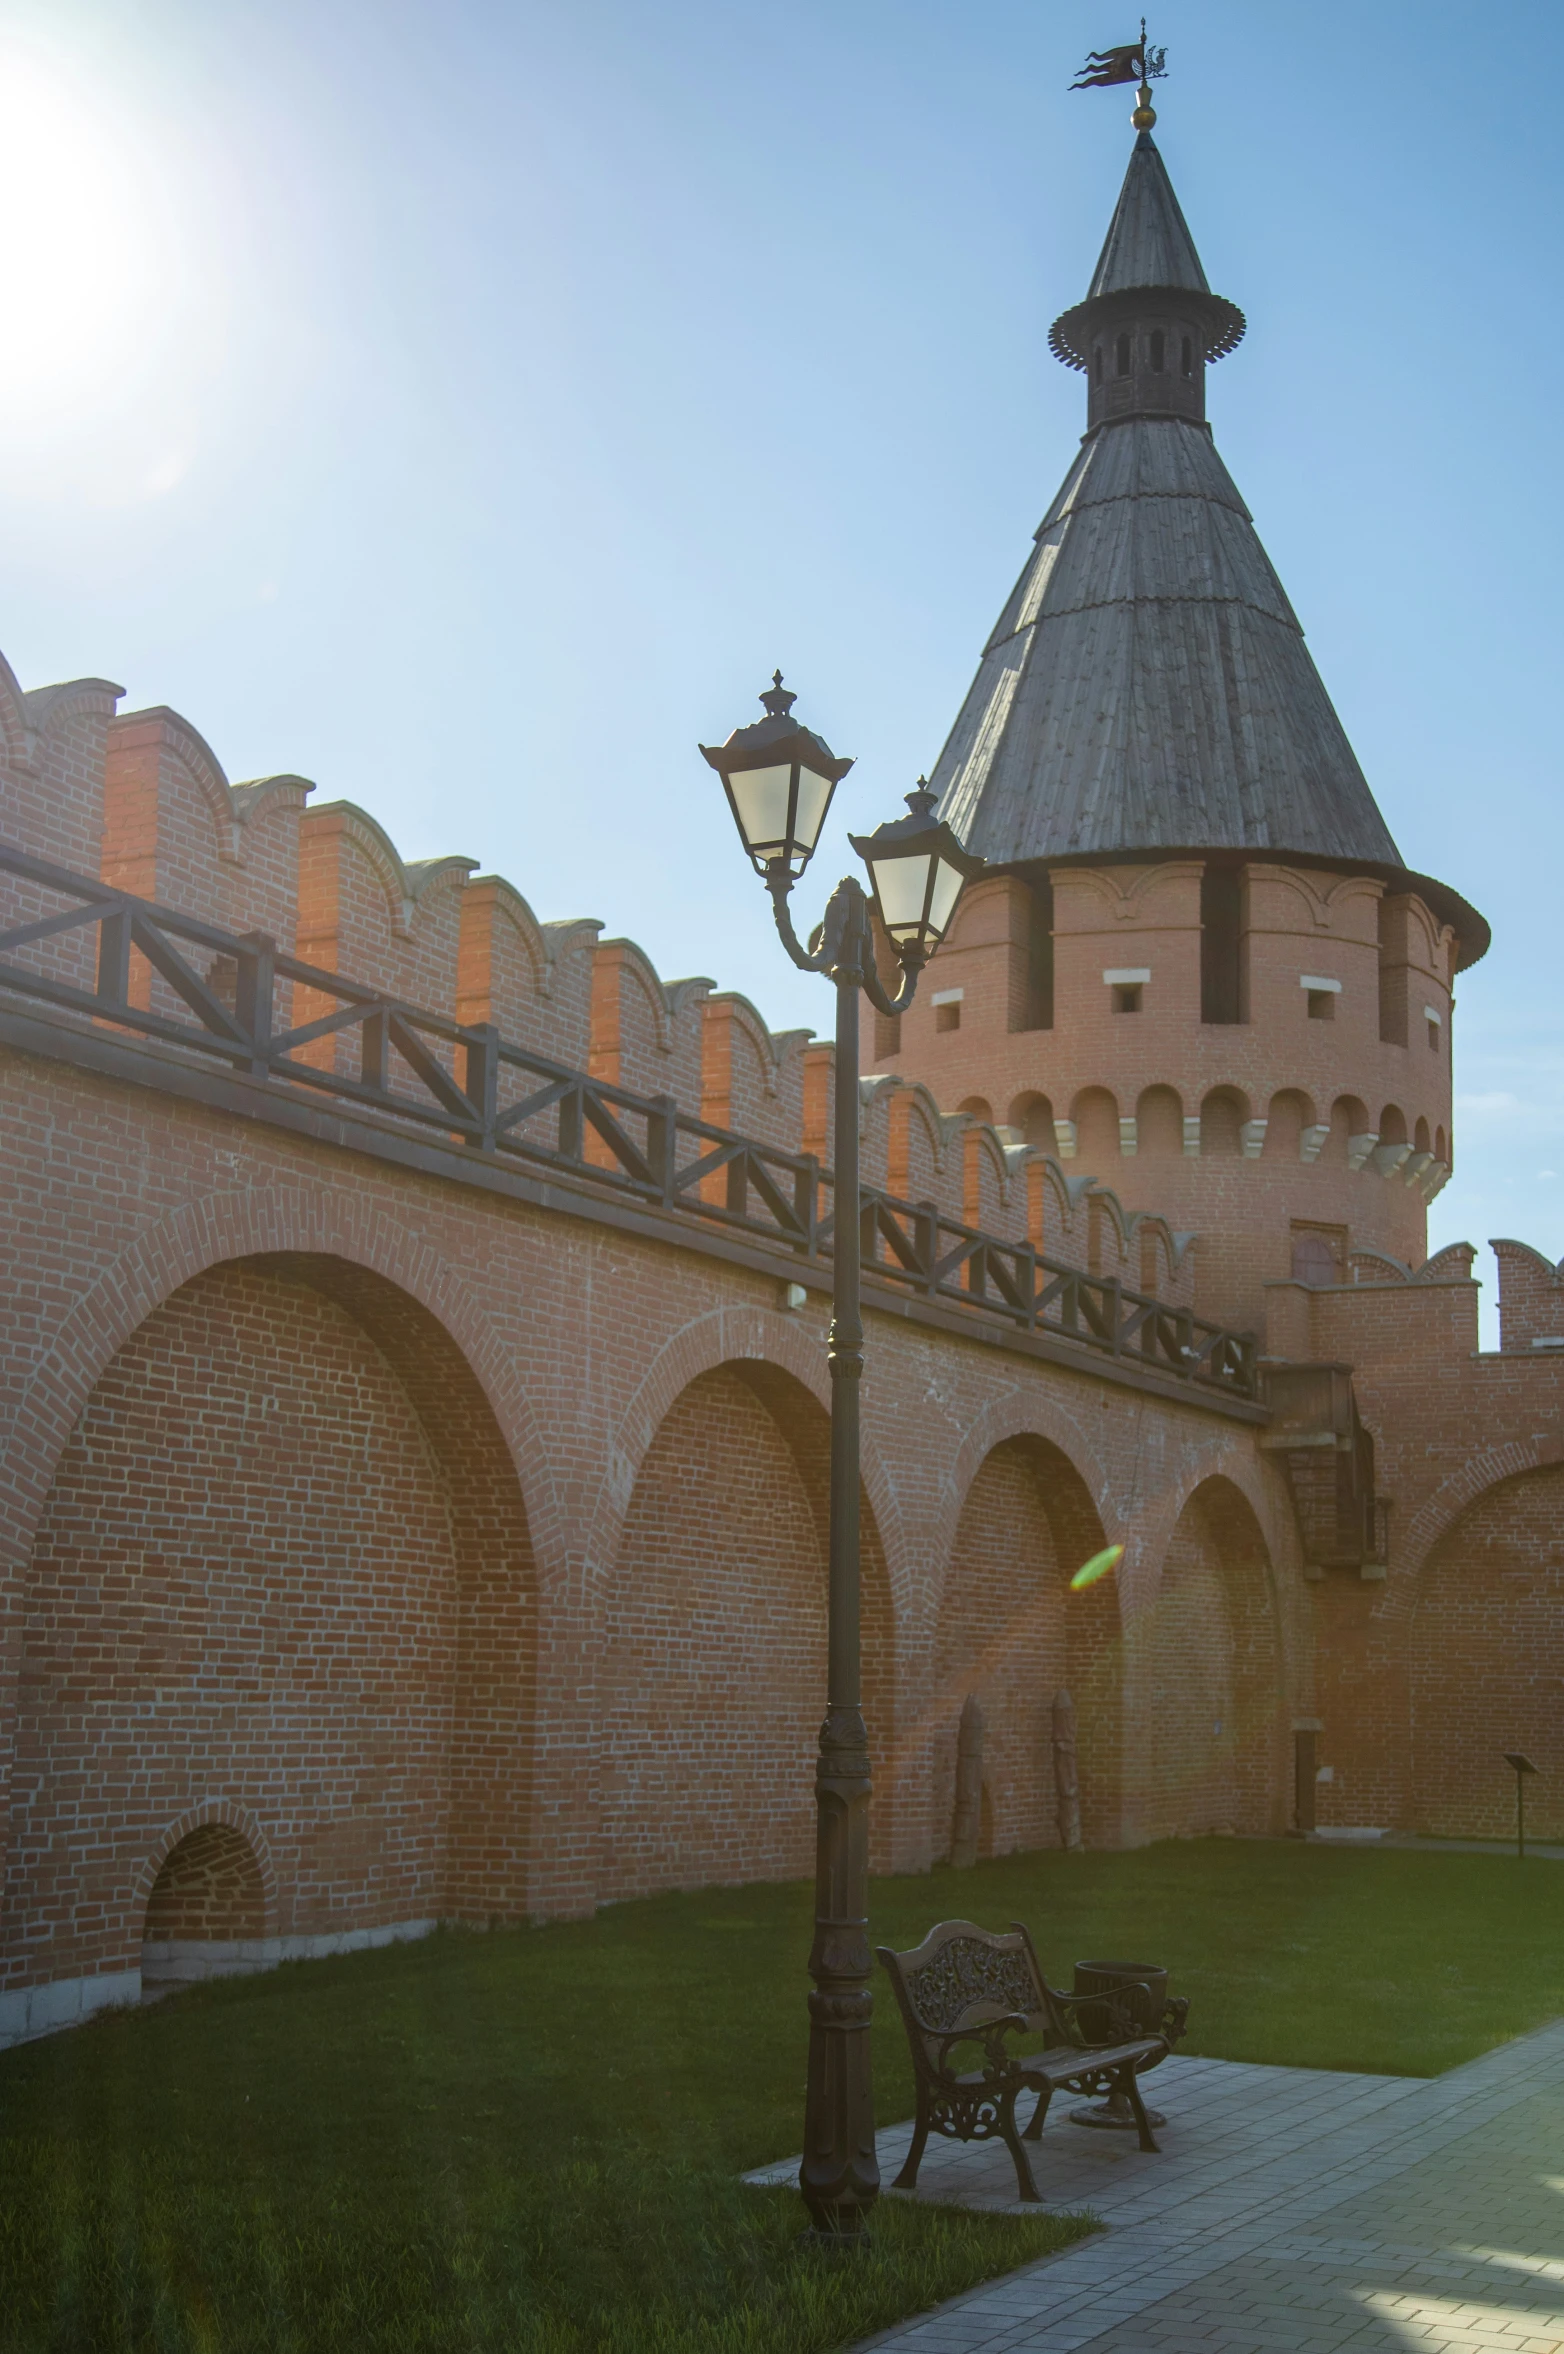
x: 1132, y: 62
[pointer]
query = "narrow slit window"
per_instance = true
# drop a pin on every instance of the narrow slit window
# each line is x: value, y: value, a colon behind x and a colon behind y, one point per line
x: 1097, y: 363
x: 1433, y: 1037
x: 1126, y: 997
x: 1123, y: 360
x: 1222, y: 978
x: 947, y: 1013
x: 1159, y: 350
x: 1322, y: 1005
x: 1187, y: 357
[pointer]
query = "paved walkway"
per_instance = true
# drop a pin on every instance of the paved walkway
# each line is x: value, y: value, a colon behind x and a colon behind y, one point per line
x: 1291, y: 2210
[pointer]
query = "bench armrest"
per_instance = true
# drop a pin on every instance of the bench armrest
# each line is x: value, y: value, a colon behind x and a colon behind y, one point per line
x: 991, y: 2035
x: 1123, y: 2026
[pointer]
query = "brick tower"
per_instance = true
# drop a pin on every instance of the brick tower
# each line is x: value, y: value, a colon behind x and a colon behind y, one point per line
x: 1199, y: 970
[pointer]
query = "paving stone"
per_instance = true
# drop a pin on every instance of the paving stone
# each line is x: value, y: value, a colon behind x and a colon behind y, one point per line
x: 1291, y: 2211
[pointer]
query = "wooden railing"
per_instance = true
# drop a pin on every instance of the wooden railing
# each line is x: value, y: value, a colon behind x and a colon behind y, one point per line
x: 237, y: 1001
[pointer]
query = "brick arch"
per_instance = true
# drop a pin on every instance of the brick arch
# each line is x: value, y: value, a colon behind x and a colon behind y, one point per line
x: 1148, y: 1526
x: 210, y: 1812
x: 1485, y: 1662
x: 1032, y: 1413
x: 333, y: 1223
x: 727, y: 1335
x: 1454, y: 1496
x: 712, y: 1640
x: 1206, y: 1673
x: 359, y: 1563
x: 1010, y: 1632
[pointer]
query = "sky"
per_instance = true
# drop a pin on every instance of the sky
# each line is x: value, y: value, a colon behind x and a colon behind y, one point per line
x: 468, y: 406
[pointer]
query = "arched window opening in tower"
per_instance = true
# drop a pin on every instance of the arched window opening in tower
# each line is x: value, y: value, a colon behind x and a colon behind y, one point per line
x: 1124, y: 355
x: 1223, y: 994
x: 1158, y: 350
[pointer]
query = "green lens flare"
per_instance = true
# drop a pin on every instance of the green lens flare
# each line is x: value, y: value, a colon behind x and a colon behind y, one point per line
x: 1098, y: 1567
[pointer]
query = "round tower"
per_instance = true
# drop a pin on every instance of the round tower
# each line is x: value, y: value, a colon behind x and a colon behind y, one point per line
x: 1199, y: 969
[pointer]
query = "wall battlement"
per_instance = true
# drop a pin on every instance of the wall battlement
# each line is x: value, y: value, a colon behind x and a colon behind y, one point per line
x: 147, y: 805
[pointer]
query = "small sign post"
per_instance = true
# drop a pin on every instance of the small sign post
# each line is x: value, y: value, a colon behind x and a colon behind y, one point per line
x: 1523, y: 1766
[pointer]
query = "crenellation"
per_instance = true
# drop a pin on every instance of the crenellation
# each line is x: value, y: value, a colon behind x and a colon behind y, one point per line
x: 1531, y: 1297
x: 51, y: 801
x: 752, y: 1078
x: 533, y: 981
x: 646, y: 1033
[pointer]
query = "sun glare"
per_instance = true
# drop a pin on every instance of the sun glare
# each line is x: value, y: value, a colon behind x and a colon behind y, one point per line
x: 90, y: 254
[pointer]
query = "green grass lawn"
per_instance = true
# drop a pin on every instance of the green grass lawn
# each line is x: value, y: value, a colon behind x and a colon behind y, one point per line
x: 529, y: 2141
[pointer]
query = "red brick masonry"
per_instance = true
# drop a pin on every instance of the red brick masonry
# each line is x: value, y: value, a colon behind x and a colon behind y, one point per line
x: 378, y: 1548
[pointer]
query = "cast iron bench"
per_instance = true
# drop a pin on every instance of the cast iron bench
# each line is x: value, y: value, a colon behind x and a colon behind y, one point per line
x: 964, y: 1984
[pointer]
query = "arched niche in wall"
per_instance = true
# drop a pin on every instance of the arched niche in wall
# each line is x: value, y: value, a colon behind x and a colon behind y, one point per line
x: 1207, y: 1691
x: 1159, y: 1122
x: 1222, y: 1117
x: 1348, y: 1118
x: 1096, y: 1117
x: 1010, y: 1630
x: 1487, y: 1664
x: 208, y: 1897
x: 1032, y: 1116
x: 285, y: 1556
x: 712, y: 1675
x: 1289, y: 1114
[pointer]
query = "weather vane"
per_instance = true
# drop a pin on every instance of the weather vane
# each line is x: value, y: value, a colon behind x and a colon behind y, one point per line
x: 1134, y: 62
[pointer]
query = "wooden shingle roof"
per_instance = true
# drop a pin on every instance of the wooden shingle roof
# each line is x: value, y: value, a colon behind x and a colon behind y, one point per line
x: 1147, y: 689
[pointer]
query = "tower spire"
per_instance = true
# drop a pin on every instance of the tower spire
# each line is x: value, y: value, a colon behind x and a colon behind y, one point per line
x: 1147, y: 690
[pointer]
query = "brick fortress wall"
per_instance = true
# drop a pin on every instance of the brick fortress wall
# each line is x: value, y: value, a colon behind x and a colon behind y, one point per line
x: 377, y: 1550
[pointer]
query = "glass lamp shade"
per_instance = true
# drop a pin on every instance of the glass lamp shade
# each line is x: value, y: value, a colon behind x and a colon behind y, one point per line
x: 779, y: 778
x: 917, y: 871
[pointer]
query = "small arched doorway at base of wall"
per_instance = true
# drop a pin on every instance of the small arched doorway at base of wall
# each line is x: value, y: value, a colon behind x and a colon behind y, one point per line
x: 207, y: 1907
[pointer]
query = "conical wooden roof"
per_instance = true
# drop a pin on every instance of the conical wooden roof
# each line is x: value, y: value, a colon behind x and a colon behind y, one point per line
x: 1147, y: 689
x: 1148, y: 686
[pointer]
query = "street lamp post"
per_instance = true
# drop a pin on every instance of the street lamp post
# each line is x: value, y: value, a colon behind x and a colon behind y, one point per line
x: 780, y: 778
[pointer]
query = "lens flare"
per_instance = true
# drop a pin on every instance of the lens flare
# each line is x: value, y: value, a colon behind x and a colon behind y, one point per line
x: 1098, y: 1567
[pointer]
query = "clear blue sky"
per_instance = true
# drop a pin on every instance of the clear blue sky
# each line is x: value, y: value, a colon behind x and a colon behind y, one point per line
x: 468, y: 405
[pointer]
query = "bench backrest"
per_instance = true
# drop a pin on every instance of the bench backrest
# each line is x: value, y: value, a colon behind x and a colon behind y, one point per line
x: 963, y: 1976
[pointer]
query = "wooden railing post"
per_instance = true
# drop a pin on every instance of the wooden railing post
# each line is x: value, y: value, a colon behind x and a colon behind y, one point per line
x: 254, y: 983
x: 481, y: 1081
x: 114, y: 956
x: 662, y: 1147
